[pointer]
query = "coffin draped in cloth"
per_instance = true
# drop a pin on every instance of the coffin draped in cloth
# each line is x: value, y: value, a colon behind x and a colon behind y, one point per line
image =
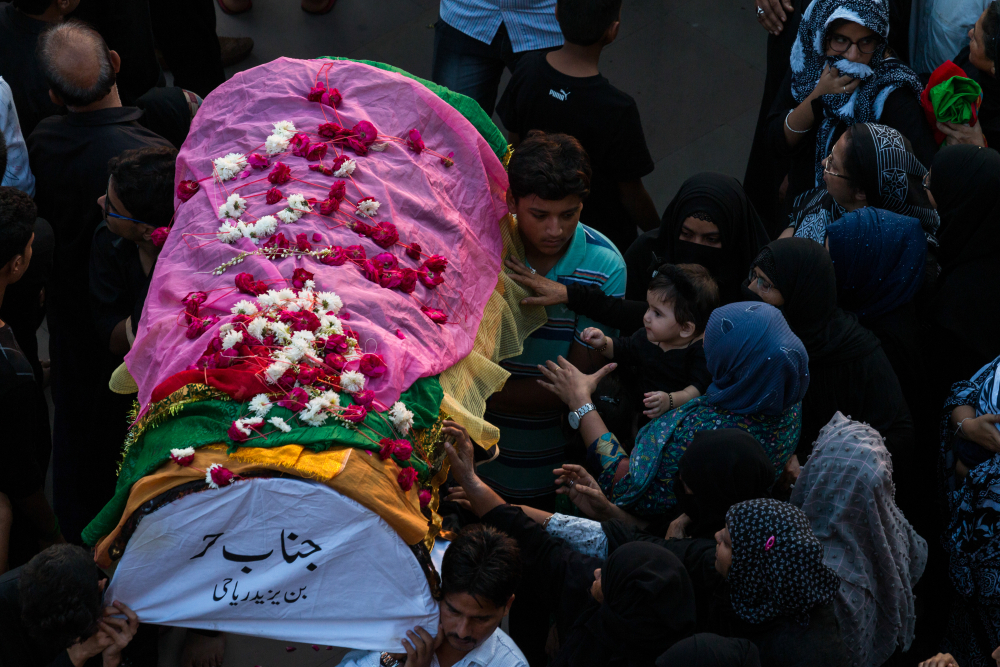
x: 329, y: 292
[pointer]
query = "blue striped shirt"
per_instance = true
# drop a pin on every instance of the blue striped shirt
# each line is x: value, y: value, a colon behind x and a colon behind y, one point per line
x: 531, y: 24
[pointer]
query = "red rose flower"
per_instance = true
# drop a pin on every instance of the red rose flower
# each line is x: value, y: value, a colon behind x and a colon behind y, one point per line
x: 385, y: 448
x: 390, y: 279
x: 296, y: 399
x: 181, y: 457
x: 406, y: 478
x: 302, y: 242
x: 401, y: 449
x: 187, y: 189
x: 331, y: 98
x: 415, y: 141
x: 299, y: 144
x: 258, y: 161
x: 329, y: 206
x: 358, y: 146
x: 408, y: 281
x: 160, y: 236
x: 300, y: 276
x: 425, y: 497
x: 385, y: 235
x: 316, y: 152
x: 339, y: 161
x: 273, y: 196
x: 335, y: 360
x: 336, y: 257
x: 331, y: 130
x: 246, y: 284
x: 364, y: 397
x: 372, y: 366
x: 191, y: 304
x: 338, y: 190
x: 287, y: 381
x: 317, y: 237
x: 316, y: 92
x: 277, y: 241
x: 281, y: 173
x: 430, y: 279
x: 355, y: 252
x: 362, y: 228
x: 236, y: 435
x: 221, y: 476
x: 387, y: 260
x: 373, y: 271
x: 436, y: 315
x: 436, y: 263
x: 365, y: 132
x: 354, y: 413
x: 308, y: 376
x: 327, y: 171
x: 413, y: 252
x: 447, y: 161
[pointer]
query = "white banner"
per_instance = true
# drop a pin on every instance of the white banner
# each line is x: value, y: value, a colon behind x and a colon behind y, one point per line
x: 286, y: 559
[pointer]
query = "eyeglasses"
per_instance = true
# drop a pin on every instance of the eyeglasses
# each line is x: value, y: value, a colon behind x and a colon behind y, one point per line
x: 825, y: 162
x: 842, y: 44
x: 762, y: 285
x: 107, y: 203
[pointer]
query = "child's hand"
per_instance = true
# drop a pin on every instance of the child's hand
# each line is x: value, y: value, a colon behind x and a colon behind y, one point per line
x: 656, y: 402
x: 593, y: 337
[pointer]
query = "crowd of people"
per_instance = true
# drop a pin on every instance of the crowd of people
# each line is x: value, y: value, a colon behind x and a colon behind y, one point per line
x: 719, y: 449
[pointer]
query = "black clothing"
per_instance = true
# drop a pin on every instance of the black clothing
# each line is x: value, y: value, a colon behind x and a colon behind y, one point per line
x: 118, y: 285
x: 22, y: 308
x: 603, y: 119
x: 591, y: 301
x: 20, y: 68
x: 663, y: 370
x: 721, y: 199
x: 69, y: 157
x: 185, y: 34
x: 708, y: 650
x: 902, y: 111
x: 17, y: 648
x: 722, y: 468
x: 989, y: 110
x: 848, y: 370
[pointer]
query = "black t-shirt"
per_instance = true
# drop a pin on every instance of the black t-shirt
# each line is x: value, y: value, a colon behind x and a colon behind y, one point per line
x: 663, y: 370
x: 602, y: 118
x: 118, y: 285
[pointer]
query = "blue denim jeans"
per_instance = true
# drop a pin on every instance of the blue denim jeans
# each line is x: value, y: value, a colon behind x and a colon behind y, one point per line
x: 468, y: 66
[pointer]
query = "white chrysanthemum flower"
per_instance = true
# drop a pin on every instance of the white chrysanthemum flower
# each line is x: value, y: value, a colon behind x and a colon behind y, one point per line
x: 288, y: 216
x: 368, y: 207
x: 234, y: 207
x: 346, y: 169
x: 226, y: 328
x: 292, y: 306
x: 331, y: 324
x: 244, y: 229
x: 244, y: 307
x: 244, y: 425
x: 352, y: 354
x: 314, y: 414
x: 305, y: 336
x: 400, y: 417
x: 275, y: 144
x: 182, y: 452
x: 298, y: 201
x: 257, y: 326
x: 280, y: 330
x: 276, y: 370
x: 292, y: 352
x: 285, y: 294
x: 231, y: 339
x: 330, y: 301
x: 280, y: 424
x: 228, y: 233
x: 352, y: 381
x: 268, y: 299
x: 261, y: 404
x: 310, y: 285
x: 265, y: 226
x: 331, y: 397
x: 285, y: 129
x: 229, y: 167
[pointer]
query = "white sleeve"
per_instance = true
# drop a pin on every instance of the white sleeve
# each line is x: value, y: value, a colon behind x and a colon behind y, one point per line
x: 361, y: 659
x: 583, y: 535
x: 18, y: 173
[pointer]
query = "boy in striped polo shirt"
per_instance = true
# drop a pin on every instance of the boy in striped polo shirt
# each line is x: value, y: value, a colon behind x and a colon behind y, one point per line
x: 549, y: 180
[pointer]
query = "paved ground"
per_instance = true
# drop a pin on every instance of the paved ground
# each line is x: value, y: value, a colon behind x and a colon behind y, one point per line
x: 695, y: 67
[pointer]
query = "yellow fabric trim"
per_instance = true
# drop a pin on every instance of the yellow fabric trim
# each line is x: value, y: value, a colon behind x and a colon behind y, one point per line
x: 504, y: 327
x: 321, y: 466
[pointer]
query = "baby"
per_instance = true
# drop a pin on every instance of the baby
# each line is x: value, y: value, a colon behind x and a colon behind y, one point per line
x: 667, y: 355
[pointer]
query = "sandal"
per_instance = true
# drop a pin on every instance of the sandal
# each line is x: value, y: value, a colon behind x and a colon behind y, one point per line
x: 227, y: 10
x: 326, y: 8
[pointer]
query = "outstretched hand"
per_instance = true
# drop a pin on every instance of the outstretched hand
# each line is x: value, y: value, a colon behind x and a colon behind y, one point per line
x: 584, y: 491
x: 461, y: 454
x: 572, y: 386
x: 547, y: 292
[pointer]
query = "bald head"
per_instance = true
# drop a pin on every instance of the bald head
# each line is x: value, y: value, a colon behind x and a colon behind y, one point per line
x: 77, y: 63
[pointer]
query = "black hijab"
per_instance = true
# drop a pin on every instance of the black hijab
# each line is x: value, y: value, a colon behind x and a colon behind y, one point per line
x: 803, y: 272
x: 722, y: 468
x: 714, y: 197
x: 708, y: 650
x: 648, y: 606
x: 964, y: 182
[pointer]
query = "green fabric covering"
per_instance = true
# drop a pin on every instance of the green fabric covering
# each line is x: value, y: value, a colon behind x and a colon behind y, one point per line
x: 206, y: 422
x: 953, y: 99
x: 464, y: 104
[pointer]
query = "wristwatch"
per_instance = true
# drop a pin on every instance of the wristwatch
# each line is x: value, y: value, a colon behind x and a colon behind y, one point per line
x: 575, y: 416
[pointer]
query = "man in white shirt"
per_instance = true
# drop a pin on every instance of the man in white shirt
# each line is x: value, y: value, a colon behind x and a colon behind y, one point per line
x: 479, y: 573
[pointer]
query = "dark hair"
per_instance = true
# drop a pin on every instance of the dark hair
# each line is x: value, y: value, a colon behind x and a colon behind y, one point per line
x: 991, y: 31
x: 482, y: 562
x: 61, y: 601
x: 17, y: 222
x: 584, y: 22
x: 144, y: 181
x: 33, y: 7
x: 68, y: 87
x: 691, y: 289
x: 552, y: 166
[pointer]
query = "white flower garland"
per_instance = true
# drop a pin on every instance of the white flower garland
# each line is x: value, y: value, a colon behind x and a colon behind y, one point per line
x: 346, y: 169
x: 229, y: 167
x: 234, y: 207
x: 400, y: 417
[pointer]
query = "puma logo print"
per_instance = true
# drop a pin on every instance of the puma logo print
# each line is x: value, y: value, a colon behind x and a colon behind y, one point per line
x: 561, y: 95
